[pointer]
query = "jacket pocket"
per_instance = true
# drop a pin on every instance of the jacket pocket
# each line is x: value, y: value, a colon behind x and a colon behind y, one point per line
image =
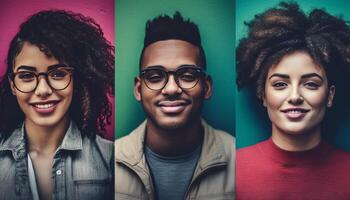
x: 93, y: 189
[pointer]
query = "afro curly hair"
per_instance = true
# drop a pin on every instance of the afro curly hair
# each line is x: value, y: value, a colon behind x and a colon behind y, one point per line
x: 79, y: 42
x: 284, y: 30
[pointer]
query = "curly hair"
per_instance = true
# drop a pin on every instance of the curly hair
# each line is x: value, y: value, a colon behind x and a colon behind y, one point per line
x: 164, y: 27
x: 79, y: 42
x: 285, y: 29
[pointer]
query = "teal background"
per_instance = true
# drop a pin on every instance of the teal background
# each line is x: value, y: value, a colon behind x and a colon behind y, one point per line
x: 252, y: 123
x: 216, y: 23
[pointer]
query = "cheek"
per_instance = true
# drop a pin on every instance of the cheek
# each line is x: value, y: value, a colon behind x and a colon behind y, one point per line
x: 274, y: 99
x: 147, y: 95
x: 21, y: 98
x: 67, y: 94
x: 316, y: 99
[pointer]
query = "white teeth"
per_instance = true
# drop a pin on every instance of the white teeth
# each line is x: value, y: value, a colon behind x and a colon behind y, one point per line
x: 44, y: 106
x: 294, y: 111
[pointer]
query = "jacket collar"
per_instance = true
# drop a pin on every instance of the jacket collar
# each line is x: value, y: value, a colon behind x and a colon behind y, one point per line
x: 212, y: 151
x: 16, y: 142
x: 72, y: 139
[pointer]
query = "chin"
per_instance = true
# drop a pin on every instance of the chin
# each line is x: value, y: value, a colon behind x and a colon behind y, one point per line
x: 48, y: 121
x: 294, y: 129
x: 170, y: 123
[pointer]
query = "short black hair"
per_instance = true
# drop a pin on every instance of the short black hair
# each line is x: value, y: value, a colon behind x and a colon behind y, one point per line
x: 164, y: 27
x: 79, y: 42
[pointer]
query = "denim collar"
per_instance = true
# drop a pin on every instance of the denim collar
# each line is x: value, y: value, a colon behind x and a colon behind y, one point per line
x: 72, y: 140
x: 16, y: 143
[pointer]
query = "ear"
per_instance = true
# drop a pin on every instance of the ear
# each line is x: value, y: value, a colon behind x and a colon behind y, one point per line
x: 137, y: 88
x: 331, y: 94
x: 208, y: 87
x: 13, y: 89
x: 263, y: 98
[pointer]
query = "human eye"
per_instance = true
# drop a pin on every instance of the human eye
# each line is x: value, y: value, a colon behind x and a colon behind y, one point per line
x: 26, y: 76
x: 312, y: 85
x: 58, y: 74
x: 154, y: 76
x: 187, y: 76
x: 279, y: 85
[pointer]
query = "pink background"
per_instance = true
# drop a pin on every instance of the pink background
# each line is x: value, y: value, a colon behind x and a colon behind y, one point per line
x: 14, y: 12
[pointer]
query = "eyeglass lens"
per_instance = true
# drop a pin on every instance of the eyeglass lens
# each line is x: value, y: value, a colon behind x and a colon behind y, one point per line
x: 186, y: 78
x: 58, y: 79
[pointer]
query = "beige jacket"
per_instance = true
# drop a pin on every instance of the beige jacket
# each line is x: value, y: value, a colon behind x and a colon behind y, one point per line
x: 213, y: 177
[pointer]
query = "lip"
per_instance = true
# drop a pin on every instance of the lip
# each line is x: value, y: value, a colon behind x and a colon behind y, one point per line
x: 45, y: 107
x: 173, y: 107
x: 295, y: 113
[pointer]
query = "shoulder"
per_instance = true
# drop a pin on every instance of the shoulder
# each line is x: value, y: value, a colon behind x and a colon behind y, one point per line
x: 226, y: 137
x: 105, y: 145
x: 250, y: 151
x: 221, y: 136
x: 339, y: 154
x: 132, y: 140
x: 99, y: 145
x: 218, y: 141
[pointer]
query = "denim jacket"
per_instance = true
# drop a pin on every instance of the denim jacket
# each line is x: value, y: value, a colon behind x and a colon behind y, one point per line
x: 82, y: 168
x: 213, y: 178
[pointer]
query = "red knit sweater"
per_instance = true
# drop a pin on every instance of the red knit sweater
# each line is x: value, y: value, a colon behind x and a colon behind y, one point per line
x: 265, y: 171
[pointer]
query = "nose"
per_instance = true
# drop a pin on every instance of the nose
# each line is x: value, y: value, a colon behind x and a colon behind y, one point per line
x: 171, y: 87
x: 43, y: 89
x: 295, y: 96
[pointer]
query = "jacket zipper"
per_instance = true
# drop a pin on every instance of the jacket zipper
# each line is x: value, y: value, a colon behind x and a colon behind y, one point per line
x: 202, y: 173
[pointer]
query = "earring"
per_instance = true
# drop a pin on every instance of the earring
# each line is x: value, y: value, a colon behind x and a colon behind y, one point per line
x: 329, y: 104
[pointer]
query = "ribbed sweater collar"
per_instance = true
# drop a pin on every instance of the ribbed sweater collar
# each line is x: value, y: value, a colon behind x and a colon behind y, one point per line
x: 315, y: 155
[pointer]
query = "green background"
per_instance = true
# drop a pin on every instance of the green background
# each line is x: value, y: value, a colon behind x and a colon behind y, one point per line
x: 252, y: 124
x: 216, y: 24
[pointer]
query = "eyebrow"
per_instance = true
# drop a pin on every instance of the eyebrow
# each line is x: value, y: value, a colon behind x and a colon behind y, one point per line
x: 55, y: 66
x: 51, y: 67
x: 304, y: 76
x: 162, y: 67
x: 310, y: 75
x: 279, y: 75
x: 30, y: 68
x: 154, y: 67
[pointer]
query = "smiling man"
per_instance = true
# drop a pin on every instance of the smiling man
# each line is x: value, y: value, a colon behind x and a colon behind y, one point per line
x: 174, y: 154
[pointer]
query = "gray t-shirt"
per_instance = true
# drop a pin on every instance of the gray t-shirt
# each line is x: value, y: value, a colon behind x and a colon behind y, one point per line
x: 172, y: 175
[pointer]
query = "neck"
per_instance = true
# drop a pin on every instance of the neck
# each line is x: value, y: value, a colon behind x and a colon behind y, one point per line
x: 45, y: 139
x: 296, y: 141
x: 173, y: 142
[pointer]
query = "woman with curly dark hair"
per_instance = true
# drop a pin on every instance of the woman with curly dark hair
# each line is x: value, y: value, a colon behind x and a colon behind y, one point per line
x: 53, y: 104
x: 294, y: 63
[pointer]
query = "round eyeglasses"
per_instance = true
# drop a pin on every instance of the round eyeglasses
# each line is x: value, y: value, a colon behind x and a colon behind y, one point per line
x: 58, y: 78
x: 186, y: 76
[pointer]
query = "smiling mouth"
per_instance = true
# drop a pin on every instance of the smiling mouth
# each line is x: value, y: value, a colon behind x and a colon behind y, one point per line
x: 295, y: 113
x: 173, y: 107
x: 45, y: 107
x: 295, y: 110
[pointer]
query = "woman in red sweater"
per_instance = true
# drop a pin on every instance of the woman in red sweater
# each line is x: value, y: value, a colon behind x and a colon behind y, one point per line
x: 294, y: 62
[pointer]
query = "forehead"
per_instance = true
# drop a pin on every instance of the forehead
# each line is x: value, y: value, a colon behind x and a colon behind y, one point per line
x: 297, y: 64
x: 30, y: 55
x: 170, y: 54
